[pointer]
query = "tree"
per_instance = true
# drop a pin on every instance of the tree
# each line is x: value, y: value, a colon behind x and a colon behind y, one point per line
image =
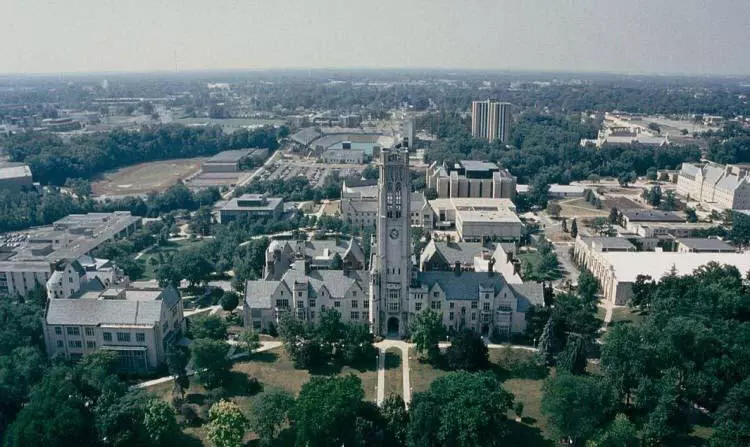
x: 230, y: 300
x: 574, y: 229
x: 626, y: 178
x: 468, y: 352
x: 56, y: 415
x: 620, y: 433
x: 132, y: 269
x: 426, y: 331
x: 193, y: 266
x: 430, y: 194
x: 651, y: 173
x: 270, y: 413
x: 731, y: 425
x: 159, y: 422
x: 337, y: 263
x: 553, y: 209
x: 655, y: 127
x: 548, y: 345
x: 670, y: 202
x: 210, y: 361
x: 565, y: 225
x: 356, y: 345
x: 573, y: 358
x: 227, y: 424
x: 208, y: 326
x: 621, y: 359
x: 614, y: 216
x: 588, y: 287
x: 177, y: 361
x: 576, y: 406
x: 396, y: 419
x: 326, y: 410
x: 119, y: 418
x: 168, y: 275
x: 249, y: 341
x: 461, y: 409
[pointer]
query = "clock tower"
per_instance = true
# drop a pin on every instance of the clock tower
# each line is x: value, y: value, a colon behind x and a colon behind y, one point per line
x: 391, y: 269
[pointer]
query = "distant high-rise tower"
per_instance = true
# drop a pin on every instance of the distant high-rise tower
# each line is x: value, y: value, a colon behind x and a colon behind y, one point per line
x: 490, y: 120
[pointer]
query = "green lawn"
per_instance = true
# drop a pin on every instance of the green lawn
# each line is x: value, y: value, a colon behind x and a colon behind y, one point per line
x: 394, y: 378
x: 275, y: 371
x: 534, y: 259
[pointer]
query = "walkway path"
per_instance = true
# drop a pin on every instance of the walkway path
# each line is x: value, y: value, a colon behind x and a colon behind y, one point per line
x: 264, y: 346
x: 404, y: 347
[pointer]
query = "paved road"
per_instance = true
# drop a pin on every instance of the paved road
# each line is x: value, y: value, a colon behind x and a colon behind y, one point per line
x: 228, y: 195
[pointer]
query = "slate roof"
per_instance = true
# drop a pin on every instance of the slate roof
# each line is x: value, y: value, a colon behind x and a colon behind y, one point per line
x: 101, y: 312
x: 258, y: 293
x: 466, y: 287
x: 451, y: 252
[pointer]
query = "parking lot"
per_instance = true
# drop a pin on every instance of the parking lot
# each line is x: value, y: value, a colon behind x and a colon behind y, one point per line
x: 289, y: 167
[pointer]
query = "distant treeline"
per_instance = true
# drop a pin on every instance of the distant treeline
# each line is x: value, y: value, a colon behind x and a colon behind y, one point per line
x: 21, y: 210
x: 53, y: 160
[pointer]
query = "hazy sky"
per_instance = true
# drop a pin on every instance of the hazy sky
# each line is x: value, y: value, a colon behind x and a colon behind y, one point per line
x: 674, y: 36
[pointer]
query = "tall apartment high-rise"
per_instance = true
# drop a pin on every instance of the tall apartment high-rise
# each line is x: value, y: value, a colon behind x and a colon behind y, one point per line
x: 490, y: 120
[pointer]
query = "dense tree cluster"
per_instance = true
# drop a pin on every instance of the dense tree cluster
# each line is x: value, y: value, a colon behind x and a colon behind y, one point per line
x: 687, y: 357
x: 545, y: 149
x: 315, y: 346
x: 53, y: 160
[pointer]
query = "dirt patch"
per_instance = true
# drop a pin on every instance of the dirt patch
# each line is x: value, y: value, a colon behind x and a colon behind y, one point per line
x: 146, y: 177
x: 621, y: 203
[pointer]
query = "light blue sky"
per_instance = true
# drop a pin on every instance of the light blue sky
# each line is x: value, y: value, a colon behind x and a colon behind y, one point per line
x: 632, y: 36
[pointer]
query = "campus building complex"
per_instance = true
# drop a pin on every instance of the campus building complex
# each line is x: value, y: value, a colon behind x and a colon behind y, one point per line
x: 393, y: 290
x: 29, y: 259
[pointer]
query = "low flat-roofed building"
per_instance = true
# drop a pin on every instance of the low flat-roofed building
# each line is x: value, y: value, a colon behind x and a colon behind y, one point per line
x: 229, y: 161
x: 30, y: 258
x: 138, y: 324
x: 562, y: 191
x: 617, y: 271
x: 631, y: 217
x: 15, y: 178
x: 344, y: 156
x: 585, y: 247
x: 476, y: 219
x: 700, y: 245
x: 251, y: 206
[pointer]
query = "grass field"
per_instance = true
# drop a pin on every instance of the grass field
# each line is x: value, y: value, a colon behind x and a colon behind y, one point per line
x: 394, y: 378
x: 275, y: 371
x: 146, y: 177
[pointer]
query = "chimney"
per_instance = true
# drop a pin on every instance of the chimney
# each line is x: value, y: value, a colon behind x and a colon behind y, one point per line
x: 491, y: 266
x: 457, y: 268
x: 517, y: 268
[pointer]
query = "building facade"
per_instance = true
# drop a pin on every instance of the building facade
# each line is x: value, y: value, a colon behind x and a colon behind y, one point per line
x: 715, y: 186
x: 469, y: 178
x: 138, y: 324
x: 251, y: 206
x: 491, y: 120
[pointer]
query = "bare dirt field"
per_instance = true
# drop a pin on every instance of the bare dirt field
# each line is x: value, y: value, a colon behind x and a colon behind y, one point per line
x: 580, y: 208
x: 146, y: 177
